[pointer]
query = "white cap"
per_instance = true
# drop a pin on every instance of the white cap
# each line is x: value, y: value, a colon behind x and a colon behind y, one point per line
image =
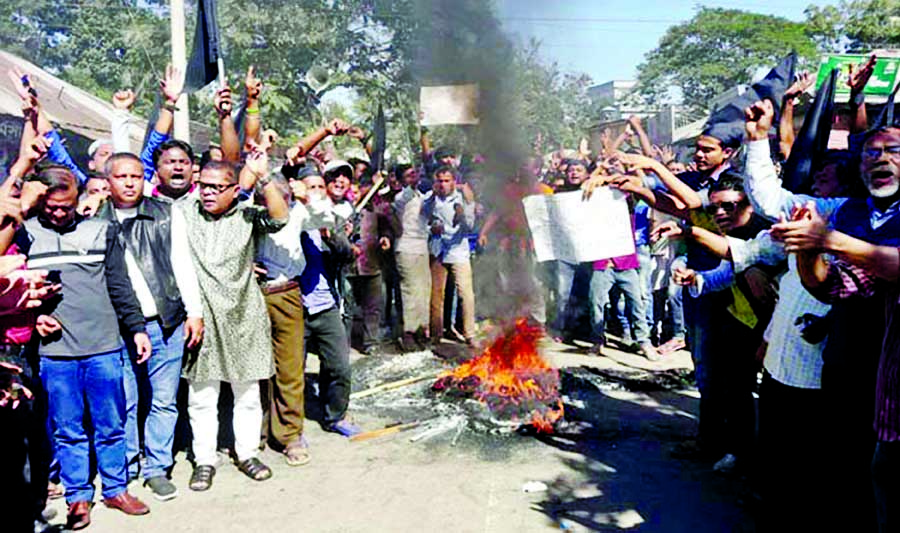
x: 335, y: 164
x: 96, y: 146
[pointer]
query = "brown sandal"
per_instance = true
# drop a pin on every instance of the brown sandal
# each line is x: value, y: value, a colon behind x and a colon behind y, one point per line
x: 255, y: 469
x: 297, y: 453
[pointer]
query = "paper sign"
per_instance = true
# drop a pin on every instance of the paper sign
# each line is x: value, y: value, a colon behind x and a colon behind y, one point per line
x: 449, y: 104
x: 566, y: 227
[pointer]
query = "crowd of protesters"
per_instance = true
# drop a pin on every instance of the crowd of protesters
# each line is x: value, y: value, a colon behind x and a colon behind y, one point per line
x: 168, y: 269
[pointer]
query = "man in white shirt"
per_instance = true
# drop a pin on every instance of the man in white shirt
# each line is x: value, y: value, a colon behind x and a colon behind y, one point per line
x: 165, y: 283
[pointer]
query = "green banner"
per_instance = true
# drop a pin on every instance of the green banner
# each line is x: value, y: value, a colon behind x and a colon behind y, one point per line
x: 883, y: 79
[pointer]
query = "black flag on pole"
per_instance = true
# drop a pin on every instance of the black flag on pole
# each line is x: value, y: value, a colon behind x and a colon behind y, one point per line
x: 726, y: 123
x: 203, y: 65
x: 811, y: 143
x: 379, y: 135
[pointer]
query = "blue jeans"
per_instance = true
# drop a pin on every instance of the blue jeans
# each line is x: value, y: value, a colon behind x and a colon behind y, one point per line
x: 566, y: 273
x: 155, y: 381
x: 628, y: 281
x: 87, y: 385
x: 644, y: 272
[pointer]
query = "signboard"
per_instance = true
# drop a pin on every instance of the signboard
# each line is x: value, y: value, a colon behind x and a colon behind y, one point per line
x: 569, y: 228
x: 449, y: 104
x: 884, y: 76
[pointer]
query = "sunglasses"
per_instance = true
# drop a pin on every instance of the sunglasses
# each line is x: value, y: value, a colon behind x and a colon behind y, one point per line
x: 728, y: 207
x: 218, y: 188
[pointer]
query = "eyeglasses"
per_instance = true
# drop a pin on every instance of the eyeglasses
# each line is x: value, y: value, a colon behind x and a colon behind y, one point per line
x: 218, y: 188
x: 728, y: 207
x: 875, y: 153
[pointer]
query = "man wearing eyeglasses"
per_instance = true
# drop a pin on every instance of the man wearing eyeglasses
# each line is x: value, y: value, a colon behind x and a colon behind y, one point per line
x: 850, y: 356
x: 237, y: 347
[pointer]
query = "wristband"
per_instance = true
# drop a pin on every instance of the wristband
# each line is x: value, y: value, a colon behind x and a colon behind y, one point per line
x: 685, y: 226
x: 252, y: 111
x: 169, y: 106
x: 263, y: 180
x: 859, y: 99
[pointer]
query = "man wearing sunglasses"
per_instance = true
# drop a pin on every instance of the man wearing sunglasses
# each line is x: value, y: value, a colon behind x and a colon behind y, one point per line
x: 236, y: 347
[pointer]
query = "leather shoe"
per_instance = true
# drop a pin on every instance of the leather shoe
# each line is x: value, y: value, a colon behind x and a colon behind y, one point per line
x: 79, y: 516
x: 126, y: 503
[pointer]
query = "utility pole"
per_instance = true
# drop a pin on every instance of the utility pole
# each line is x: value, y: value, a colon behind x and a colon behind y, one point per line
x: 179, y: 61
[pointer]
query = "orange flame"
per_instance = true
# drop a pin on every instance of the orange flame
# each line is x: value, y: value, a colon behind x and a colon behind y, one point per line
x: 512, y: 371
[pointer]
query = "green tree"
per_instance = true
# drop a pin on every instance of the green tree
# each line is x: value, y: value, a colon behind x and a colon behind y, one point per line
x: 382, y: 51
x: 718, y: 49
x: 857, y: 26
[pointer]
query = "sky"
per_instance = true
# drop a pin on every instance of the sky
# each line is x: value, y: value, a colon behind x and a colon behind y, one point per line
x: 607, y: 39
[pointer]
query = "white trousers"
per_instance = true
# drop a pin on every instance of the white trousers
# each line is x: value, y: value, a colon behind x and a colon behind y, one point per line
x: 203, y: 409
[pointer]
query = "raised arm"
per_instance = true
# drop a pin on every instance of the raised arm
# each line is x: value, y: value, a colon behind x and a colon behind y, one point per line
x: 335, y: 127
x: 252, y: 117
x: 761, y: 181
x: 857, y: 79
x: 678, y: 188
x: 786, y: 133
x: 256, y: 170
x: 170, y: 89
x: 646, y: 145
x: 231, y: 144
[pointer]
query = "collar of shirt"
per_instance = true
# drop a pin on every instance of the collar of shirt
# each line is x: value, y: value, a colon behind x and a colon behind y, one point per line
x: 878, y: 218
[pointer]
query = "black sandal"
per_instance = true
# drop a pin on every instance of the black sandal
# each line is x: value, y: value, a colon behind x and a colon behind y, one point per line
x: 255, y: 469
x: 202, y: 478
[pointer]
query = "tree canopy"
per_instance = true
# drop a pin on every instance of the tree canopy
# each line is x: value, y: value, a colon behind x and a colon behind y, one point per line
x: 718, y: 49
x: 857, y: 26
x: 381, y: 51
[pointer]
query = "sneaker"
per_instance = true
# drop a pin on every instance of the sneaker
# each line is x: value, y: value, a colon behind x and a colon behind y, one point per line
x: 649, y: 351
x: 725, y: 465
x: 343, y: 427
x: 162, y: 489
x: 596, y: 349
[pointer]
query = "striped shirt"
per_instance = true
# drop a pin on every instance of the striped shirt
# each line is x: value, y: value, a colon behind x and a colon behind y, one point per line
x: 790, y: 358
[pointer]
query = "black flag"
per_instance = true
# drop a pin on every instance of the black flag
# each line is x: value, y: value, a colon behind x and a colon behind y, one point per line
x: 886, y: 117
x: 812, y: 142
x: 379, y: 141
x: 726, y: 123
x: 203, y: 65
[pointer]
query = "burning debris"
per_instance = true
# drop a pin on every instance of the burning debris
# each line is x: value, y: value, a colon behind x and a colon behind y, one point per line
x: 511, y: 379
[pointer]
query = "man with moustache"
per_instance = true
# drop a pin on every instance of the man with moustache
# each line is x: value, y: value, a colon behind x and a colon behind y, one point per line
x: 237, y: 347
x: 854, y: 343
x: 165, y: 283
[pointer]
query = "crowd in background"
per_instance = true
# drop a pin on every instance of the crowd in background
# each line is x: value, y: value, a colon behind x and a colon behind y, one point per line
x: 164, y: 269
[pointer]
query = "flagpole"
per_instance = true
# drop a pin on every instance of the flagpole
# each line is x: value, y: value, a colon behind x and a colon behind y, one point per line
x: 179, y: 61
x: 221, y: 64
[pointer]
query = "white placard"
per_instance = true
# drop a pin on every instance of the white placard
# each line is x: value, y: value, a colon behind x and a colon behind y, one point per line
x: 566, y: 227
x: 449, y: 104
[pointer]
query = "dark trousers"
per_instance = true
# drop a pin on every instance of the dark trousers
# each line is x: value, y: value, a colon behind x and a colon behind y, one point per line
x: 886, y: 480
x: 723, y: 350
x: 792, y: 458
x: 25, y: 452
x: 368, y: 300
x: 849, y: 396
x: 325, y: 335
x: 393, y: 301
